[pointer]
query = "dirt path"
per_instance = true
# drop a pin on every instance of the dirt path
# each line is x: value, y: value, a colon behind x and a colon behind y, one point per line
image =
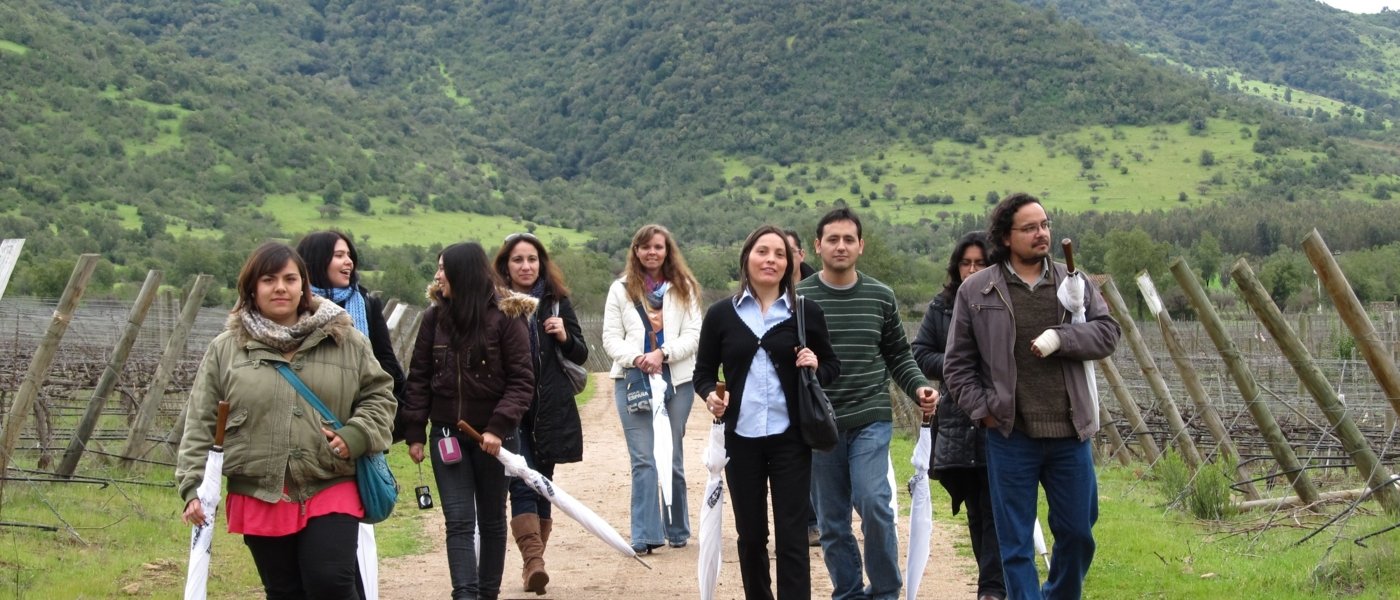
x: 582, y: 568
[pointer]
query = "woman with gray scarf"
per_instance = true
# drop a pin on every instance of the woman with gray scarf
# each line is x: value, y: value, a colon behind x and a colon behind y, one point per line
x: 291, y: 478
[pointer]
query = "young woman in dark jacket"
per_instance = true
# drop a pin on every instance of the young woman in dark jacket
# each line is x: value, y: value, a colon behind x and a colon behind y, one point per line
x: 753, y: 337
x: 471, y: 362
x: 551, y: 432
x: 959, y: 460
x: 333, y: 265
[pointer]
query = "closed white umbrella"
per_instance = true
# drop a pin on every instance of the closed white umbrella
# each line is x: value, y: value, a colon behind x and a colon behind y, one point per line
x: 920, y: 514
x: 661, y: 449
x: 202, y: 534
x: 712, y: 510
x: 515, y: 467
x: 367, y: 555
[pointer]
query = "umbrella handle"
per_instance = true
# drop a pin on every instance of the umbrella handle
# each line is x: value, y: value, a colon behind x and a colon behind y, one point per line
x: 927, y: 421
x: 219, y: 427
x: 463, y: 427
x: 719, y: 391
x: 1068, y: 247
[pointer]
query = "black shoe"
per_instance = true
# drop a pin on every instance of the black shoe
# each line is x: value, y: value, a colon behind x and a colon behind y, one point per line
x: 644, y: 548
x: 680, y: 544
x: 814, y: 537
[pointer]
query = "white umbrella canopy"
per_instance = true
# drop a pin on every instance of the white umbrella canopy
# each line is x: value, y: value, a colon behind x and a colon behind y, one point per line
x: 712, y: 510
x: 920, y: 514
x: 202, y: 534
x: 367, y: 556
x: 661, y: 449
x: 515, y: 467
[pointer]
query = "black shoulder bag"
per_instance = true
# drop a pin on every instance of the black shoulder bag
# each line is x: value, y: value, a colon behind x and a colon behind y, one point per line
x: 815, y: 418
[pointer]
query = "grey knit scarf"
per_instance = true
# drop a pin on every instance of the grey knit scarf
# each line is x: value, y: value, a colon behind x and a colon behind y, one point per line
x: 287, y: 339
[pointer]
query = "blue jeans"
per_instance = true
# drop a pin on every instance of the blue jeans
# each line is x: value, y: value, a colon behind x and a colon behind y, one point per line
x: 857, y: 474
x: 473, y: 493
x: 649, y: 525
x: 1064, y: 467
x: 523, y: 499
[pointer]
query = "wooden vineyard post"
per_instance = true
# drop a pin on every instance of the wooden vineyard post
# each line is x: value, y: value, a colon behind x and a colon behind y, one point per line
x: 1115, y: 441
x: 110, y: 374
x: 1148, y: 365
x: 1377, y: 475
x: 1192, y: 382
x: 1244, y: 380
x: 43, y: 359
x: 1130, y: 410
x: 174, y: 350
x: 1368, y: 340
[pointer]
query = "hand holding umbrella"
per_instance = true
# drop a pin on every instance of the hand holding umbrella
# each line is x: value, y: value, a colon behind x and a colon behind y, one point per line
x: 202, y: 513
x: 711, y: 512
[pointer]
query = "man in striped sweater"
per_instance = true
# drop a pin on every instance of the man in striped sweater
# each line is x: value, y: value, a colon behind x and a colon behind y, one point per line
x: 865, y: 329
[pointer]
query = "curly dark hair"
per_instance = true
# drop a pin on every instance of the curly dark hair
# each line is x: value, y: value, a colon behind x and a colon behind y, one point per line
x: 972, y: 238
x: 1000, y: 224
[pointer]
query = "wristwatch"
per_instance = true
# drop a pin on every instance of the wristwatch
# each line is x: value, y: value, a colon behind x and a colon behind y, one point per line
x: 665, y: 355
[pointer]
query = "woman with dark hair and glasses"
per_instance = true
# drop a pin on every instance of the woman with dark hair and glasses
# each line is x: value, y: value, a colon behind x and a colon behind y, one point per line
x: 291, y: 479
x: 333, y: 266
x: 752, y: 335
x: 959, y: 460
x: 550, y: 432
x: 471, y: 362
x: 651, y: 326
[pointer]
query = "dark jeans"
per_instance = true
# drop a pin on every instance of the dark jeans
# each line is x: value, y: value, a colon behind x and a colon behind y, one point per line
x: 971, y: 486
x: 523, y: 499
x: 784, y: 464
x: 1064, y: 467
x: 316, y: 562
x: 473, y: 493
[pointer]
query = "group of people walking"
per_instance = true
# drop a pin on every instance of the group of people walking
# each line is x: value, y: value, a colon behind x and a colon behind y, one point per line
x: 997, y: 364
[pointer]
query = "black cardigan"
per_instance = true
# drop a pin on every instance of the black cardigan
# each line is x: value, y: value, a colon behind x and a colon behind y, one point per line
x: 726, y: 341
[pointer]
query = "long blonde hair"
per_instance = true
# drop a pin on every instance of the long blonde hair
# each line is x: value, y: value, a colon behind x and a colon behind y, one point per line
x: 673, y: 269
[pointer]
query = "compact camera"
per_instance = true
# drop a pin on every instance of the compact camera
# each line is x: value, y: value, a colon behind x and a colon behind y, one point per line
x: 425, y: 497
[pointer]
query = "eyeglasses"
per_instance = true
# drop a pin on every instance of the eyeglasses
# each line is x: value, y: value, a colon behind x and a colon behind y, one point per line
x: 1033, y: 227
x: 515, y: 237
x: 981, y: 264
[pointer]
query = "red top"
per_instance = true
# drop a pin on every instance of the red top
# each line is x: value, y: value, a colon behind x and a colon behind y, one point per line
x: 251, y: 516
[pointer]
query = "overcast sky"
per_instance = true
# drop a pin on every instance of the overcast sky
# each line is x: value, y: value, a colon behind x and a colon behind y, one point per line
x: 1363, y: 6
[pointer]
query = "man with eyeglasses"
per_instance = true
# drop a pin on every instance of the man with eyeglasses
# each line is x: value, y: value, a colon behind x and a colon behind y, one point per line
x: 1014, y: 362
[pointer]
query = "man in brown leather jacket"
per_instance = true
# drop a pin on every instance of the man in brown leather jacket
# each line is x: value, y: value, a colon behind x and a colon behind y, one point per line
x: 1014, y: 363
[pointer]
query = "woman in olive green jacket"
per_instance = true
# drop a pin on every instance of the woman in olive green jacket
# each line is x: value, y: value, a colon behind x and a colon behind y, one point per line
x: 291, y: 478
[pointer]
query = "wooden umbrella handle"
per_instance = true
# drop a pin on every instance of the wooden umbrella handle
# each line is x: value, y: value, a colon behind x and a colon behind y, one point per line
x: 222, y: 423
x: 719, y: 391
x: 1068, y: 247
x: 463, y: 427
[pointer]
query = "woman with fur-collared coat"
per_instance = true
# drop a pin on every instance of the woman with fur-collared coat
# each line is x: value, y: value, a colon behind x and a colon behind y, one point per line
x: 471, y: 362
x: 291, y: 479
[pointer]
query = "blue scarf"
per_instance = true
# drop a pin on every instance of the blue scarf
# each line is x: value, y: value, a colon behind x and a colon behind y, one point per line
x: 351, y: 300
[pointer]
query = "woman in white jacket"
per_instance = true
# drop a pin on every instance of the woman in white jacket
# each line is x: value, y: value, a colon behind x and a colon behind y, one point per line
x: 651, y: 325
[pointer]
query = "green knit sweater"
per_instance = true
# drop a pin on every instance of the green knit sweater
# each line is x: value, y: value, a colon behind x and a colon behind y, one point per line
x: 865, y: 329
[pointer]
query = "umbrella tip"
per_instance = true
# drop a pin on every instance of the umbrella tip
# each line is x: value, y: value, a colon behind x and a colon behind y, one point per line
x: 644, y: 563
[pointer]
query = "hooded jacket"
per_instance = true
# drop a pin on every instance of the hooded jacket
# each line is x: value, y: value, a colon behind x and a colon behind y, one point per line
x: 979, y: 367
x: 957, y: 441
x: 273, y: 438
x: 490, y: 392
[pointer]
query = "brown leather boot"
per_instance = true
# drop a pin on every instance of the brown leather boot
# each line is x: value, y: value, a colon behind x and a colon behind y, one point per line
x: 526, y: 528
x: 546, y: 525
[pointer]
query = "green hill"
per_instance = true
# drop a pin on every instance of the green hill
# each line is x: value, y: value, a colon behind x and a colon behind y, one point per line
x: 177, y: 134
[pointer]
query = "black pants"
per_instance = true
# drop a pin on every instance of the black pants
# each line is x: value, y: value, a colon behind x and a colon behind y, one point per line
x: 971, y: 486
x: 473, y: 494
x: 316, y: 562
x: 783, y: 463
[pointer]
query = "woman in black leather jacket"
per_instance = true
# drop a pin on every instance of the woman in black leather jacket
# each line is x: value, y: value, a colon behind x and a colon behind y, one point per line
x: 959, y: 460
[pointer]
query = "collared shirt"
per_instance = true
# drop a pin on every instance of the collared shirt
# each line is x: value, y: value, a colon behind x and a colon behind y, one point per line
x: 764, y: 410
x: 1013, y: 277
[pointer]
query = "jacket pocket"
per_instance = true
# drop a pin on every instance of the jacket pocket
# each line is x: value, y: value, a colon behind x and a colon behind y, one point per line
x: 982, y: 307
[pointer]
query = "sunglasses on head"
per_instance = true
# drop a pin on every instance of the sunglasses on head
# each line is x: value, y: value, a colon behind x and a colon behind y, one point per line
x: 515, y: 237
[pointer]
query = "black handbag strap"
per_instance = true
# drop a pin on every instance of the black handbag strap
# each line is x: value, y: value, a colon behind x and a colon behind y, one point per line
x: 801, y: 322
x: 646, y: 322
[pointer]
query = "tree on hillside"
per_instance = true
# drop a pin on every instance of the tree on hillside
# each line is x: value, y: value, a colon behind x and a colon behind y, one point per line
x: 1129, y: 252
